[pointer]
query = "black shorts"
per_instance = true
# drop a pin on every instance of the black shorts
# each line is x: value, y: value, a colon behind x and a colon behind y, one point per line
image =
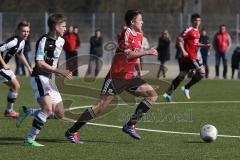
x: 118, y: 85
x: 186, y: 65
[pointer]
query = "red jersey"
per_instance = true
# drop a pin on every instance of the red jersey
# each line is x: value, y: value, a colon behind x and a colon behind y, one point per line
x: 121, y: 66
x: 71, y: 42
x: 190, y: 37
x: 222, y: 41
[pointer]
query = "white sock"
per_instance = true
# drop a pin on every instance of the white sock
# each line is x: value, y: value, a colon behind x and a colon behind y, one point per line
x: 38, y: 122
x: 11, y: 98
x: 32, y: 133
x: 32, y: 111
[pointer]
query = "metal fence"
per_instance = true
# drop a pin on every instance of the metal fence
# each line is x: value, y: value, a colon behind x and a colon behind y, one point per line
x: 110, y: 24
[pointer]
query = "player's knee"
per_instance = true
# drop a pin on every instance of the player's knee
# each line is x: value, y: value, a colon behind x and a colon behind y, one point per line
x: 152, y: 96
x: 59, y: 114
x: 153, y: 99
x: 182, y: 75
x: 201, y: 73
x: 16, y: 87
x: 47, y: 110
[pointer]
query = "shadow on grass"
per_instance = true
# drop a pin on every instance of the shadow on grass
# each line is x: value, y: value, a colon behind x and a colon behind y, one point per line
x: 105, y: 141
x: 194, y: 142
x: 19, y: 141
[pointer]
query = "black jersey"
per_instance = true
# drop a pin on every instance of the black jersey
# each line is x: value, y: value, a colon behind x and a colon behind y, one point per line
x: 12, y: 46
x: 49, y: 50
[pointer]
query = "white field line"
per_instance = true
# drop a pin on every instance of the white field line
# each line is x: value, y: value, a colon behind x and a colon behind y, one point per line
x: 189, y: 102
x: 151, y: 130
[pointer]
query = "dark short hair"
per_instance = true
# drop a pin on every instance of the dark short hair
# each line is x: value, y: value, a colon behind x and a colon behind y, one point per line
x: 222, y: 25
x: 55, y: 19
x: 23, y: 23
x: 97, y: 30
x: 130, y: 15
x: 195, y: 16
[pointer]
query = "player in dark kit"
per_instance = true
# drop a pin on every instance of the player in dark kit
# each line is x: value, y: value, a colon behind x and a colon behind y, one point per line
x: 13, y: 46
x: 188, y: 42
x: 121, y: 78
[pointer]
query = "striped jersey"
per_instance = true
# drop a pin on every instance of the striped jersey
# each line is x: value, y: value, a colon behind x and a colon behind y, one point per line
x: 49, y: 50
x: 11, y: 47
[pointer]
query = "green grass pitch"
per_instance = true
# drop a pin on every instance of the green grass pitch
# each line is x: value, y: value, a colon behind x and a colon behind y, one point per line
x: 111, y: 144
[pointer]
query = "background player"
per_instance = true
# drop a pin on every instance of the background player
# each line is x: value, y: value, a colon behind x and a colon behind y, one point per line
x: 48, y: 50
x: 188, y: 42
x: 120, y: 78
x: 13, y: 46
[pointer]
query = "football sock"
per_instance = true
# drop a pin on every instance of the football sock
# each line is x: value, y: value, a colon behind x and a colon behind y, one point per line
x: 38, y: 122
x: 196, y: 78
x: 11, y: 98
x: 87, y: 115
x: 32, y: 111
x: 175, y: 84
x: 142, y: 108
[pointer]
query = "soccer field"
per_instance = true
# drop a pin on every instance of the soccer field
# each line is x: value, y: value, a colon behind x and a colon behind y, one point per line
x: 172, y: 129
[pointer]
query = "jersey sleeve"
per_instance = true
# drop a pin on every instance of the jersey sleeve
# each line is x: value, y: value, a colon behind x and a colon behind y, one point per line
x: 21, y: 47
x: 9, y: 44
x: 184, y: 35
x: 126, y: 42
x: 40, y: 49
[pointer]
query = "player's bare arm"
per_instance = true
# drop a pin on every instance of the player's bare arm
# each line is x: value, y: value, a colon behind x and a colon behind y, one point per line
x: 137, y: 54
x: 46, y: 67
x: 2, y: 63
x: 24, y: 61
x: 181, y: 45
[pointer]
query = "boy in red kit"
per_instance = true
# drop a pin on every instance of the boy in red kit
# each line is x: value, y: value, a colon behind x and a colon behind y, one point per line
x: 121, y: 78
x: 188, y: 43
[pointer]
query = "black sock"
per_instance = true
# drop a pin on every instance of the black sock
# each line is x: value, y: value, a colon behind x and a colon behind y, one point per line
x: 196, y: 78
x: 142, y: 108
x: 175, y: 84
x: 87, y: 115
x: 37, y: 124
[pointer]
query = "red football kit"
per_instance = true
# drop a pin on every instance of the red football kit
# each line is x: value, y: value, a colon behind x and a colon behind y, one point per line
x: 190, y: 37
x: 121, y: 66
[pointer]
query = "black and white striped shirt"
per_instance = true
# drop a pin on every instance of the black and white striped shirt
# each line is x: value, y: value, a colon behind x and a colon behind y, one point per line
x: 12, y: 46
x: 49, y: 50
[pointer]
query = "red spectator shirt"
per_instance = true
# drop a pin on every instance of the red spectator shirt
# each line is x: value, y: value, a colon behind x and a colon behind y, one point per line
x: 190, y: 37
x: 121, y: 66
x: 71, y: 42
x: 222, y: 41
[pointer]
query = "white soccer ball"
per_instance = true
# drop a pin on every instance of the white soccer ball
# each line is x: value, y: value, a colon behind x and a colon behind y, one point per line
x: 208, y: 133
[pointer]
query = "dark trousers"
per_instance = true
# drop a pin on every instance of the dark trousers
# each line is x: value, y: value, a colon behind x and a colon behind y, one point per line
x: 162, y: 70
x: 205, y: 63
x: 72, y: 62
x: 218, y: 57
x: 95, y: 61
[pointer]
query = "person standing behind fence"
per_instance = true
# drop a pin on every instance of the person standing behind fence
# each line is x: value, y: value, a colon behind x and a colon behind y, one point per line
x: 235, y: 62
x: 163, y: 51
x: 96, y: 52
x: 204, y: 39
x: 71, y: 46
x: 221, y: 44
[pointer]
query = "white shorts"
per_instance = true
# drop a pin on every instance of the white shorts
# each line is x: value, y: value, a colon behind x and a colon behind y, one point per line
x: 42, y: 86
x: 6, y: 75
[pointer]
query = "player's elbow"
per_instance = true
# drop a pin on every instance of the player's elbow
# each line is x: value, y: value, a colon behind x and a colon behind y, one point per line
x: 40, y: 64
